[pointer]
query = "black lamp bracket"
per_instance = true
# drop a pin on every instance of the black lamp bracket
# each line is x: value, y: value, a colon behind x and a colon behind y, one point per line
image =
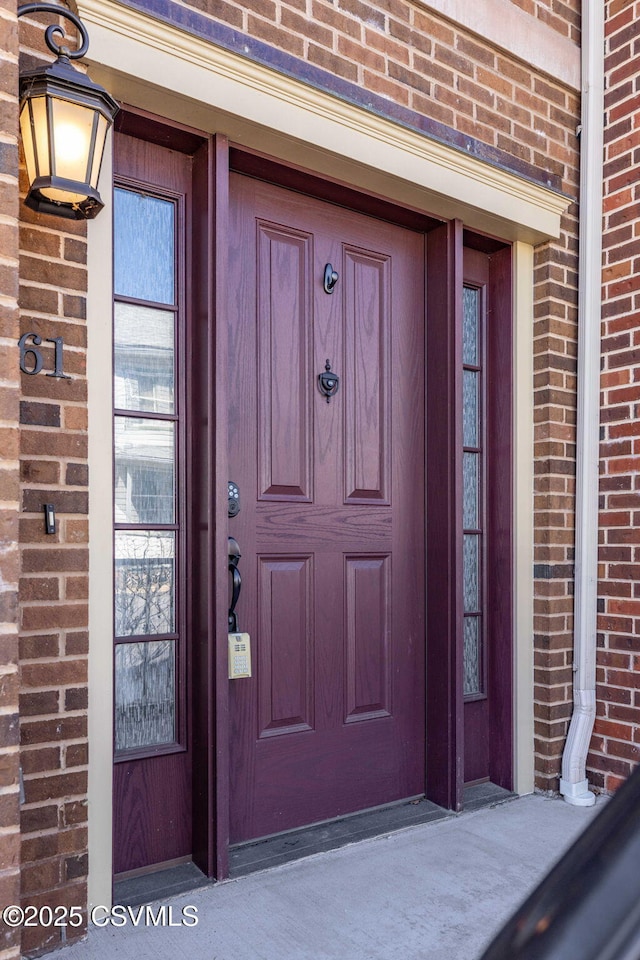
x: 55, y: 29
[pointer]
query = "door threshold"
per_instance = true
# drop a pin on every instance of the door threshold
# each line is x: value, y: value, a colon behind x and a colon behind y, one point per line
x: 255, y: 855
x: 484, y: 794
x: 160, y: 884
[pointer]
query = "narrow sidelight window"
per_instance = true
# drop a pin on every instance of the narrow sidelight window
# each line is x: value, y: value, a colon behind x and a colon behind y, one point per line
x: 147, y: 410
x: 472, y: 486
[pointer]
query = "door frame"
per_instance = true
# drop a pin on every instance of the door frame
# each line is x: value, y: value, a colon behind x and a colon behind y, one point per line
x: 213, y: 159
x: 443, y: 319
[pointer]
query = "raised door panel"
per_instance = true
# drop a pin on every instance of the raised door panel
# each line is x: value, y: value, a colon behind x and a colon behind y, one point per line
x: 368, y: 637
x: 286, y: 630
x: 285, y: 330
x: 367, y: 294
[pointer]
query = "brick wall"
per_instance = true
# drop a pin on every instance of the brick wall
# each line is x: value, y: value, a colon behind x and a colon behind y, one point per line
x: 615, y: 747
x: 555, y: 333
x: 395, y: 48
x: 53, y: 587
x: 9, y: 476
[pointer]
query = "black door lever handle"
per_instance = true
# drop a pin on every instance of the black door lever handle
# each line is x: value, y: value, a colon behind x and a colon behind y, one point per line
x: 236, y: 582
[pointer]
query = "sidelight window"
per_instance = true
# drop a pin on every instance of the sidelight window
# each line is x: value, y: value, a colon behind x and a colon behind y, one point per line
x: 147, y: 409
x: 472, y: 486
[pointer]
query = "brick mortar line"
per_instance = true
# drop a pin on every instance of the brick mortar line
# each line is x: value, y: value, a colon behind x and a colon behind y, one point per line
x: 63, y: 291
x: 40, y: 315
x: 611, y: 230
x: 49, y: 232
x: 43, y: 774
x: 61, y: 234
x: 48, y: 744
x: 59, y: 771
x: 28, y: 634
x: 47, y: 718
x: 57, y: 685
x: 65, y: 798
x: 51, y: 830
x: 65, y: 406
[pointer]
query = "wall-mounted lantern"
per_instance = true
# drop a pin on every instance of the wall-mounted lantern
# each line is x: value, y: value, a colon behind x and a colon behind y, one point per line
x: 64, y: 119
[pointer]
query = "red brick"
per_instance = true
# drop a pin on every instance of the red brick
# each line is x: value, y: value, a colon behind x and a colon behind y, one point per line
x: 55, y: 786
x: 34, y: 704
x: 56, y: 560
x: 59, y: 673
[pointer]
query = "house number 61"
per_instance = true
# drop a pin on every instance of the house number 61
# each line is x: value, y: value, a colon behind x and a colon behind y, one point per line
x: 33, y: 365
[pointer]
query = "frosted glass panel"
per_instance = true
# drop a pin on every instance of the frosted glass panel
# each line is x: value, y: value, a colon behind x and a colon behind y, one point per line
x: 471, y: 656
x: 470, y: 411
x: 470, y: 326
x: 145, y: 583
x: 471, y: 468
x: 470, y: 490
x: 73, y: 124
x: 471, y: 573
x: 144, y: 470
x: 144, y: 246
x: 145, y: 694
x: 143, y: 358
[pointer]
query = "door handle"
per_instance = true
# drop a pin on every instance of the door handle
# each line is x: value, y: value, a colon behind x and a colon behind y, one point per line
x: 236, y: 582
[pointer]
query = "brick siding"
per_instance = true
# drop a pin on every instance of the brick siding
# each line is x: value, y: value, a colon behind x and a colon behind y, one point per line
x: 9, y: 477
x: 419, y: 60
x: 53, y: 587
x: 615, y: 747
x: 555, y: 331
x: 54, y: 573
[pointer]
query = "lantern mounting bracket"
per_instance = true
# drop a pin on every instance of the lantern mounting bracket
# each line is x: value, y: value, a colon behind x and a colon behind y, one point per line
x: 54, y: 29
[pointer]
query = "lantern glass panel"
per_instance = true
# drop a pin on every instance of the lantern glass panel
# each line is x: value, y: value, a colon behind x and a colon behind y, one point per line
x: 35, y: 137
x: 26, y: 134
x: 101, y: 133
x: 72, y: 126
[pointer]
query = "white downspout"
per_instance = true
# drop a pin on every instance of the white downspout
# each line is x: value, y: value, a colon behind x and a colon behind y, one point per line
x: 574, y: 784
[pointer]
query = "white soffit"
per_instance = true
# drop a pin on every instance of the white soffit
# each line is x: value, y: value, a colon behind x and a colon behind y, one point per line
x: 148, y: 63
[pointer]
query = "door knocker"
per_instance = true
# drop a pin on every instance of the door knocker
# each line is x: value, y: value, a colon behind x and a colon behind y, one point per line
x: 328, y: 382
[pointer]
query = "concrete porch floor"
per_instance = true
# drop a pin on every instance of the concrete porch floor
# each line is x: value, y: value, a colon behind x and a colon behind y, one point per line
x: 437, y: 891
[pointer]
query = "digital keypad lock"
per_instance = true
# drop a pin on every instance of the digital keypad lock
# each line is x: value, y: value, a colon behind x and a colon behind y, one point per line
x: 234, y: 499
x: 239, y: 656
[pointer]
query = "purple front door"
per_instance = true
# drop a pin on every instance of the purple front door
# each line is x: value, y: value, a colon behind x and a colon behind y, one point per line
x: 331, y: 527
